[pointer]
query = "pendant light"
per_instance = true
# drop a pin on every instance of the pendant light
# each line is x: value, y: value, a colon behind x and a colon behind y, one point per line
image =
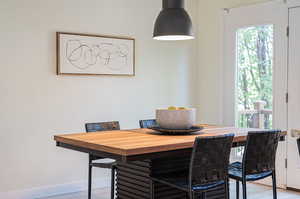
x: 173, y: 22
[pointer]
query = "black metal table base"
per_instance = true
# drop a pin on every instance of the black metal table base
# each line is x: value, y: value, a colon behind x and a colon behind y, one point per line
x: 133, y: 179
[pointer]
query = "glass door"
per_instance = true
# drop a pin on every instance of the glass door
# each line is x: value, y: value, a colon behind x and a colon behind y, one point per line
x: 255, y: 72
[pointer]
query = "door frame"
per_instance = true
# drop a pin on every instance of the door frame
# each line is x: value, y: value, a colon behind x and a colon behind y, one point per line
x: 279, y: 72
x: 291, y: 4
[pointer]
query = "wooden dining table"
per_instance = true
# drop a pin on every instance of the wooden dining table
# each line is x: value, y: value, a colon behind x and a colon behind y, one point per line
x: 141, y: 153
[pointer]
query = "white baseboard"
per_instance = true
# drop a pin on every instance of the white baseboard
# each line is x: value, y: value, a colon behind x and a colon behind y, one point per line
x: 47, y: 191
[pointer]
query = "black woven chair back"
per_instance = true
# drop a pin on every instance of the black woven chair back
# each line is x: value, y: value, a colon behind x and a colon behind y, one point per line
x: 260, y: 151
x: 148, y: 123
x: 210, y: 159
x: 102, y: 126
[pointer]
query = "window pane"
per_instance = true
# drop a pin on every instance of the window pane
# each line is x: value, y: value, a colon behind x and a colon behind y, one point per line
x: 254, y: 76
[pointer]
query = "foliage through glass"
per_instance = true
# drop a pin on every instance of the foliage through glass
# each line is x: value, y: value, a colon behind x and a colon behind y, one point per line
x: 254, y: 76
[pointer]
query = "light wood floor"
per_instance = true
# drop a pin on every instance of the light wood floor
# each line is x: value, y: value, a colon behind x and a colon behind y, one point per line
x: 254, y: 192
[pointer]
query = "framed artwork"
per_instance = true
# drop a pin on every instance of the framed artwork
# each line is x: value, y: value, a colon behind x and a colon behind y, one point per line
x: 86, y: 54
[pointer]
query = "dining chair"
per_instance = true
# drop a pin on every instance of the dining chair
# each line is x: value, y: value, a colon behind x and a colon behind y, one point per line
x: 94, y: 160
x: 148, y: 123
x: 258, y: 160
x: 208, y: 168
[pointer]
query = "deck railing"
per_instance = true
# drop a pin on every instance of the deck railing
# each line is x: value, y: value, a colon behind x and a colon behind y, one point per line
x: 259, y: 117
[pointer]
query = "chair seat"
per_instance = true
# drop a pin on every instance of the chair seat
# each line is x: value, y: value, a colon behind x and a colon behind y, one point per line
x: 235, y: 172
x: 180, y: 181
x: 103, y: 163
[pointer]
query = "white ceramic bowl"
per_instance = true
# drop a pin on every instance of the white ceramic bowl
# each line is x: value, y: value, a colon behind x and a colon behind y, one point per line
x: 176, y: 119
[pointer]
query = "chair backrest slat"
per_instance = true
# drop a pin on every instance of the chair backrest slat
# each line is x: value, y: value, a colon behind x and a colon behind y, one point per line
x: 102, y: 126
x: 148, y: 123
x: 260, y: 151
x: 210, y: 159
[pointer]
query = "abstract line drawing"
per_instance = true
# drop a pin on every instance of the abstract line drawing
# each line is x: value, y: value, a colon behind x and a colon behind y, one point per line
x: 81, y: 55
x: 89, y: 54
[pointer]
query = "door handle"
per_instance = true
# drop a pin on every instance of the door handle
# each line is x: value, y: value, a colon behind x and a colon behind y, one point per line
x: 295, y: 133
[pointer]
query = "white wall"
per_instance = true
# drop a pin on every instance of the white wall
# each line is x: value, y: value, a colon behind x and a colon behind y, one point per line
x: 35, y: 104
x: 210, y: 33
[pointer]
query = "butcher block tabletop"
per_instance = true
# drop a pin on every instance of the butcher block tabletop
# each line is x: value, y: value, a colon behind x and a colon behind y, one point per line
x: 143, y: 141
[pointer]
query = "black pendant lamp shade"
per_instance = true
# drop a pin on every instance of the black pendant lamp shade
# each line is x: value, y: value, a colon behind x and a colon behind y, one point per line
x: 173, y: 22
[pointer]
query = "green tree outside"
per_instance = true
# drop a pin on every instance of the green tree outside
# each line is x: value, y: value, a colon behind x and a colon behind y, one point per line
x: 254, y: 71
